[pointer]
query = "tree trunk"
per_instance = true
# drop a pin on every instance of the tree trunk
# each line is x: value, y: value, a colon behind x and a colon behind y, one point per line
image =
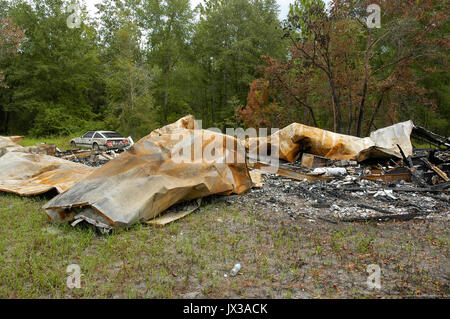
x: 350, y: 104
x: 2, y: 122
x: 225, y: 89
x: 334, y: 115
x: 166, y: 91
x: 6, y: 122
x: 361, y: 109
x: 336, y: 104
x: 213, y: 111
x: 132, y: 103
x: 364, y: 92
x: 350, y: 117
x: 375, y: 112
x: 311, y: 111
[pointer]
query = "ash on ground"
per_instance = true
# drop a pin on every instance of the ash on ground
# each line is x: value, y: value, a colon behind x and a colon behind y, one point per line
x: 344, y: 200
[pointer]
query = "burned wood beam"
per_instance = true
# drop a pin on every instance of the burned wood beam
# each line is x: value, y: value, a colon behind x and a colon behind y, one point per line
x: 441, y: 186
x: 403, y: 189
x: 388, y: 177
x: 433, y: 138
x: 407, y: 160
x: 378, y: 209
x: 415, y: 177
x: 415, y: 189
x: 327, y: 220
x: 436, y: 170
x: 402, y: 217
x: 285, y: 171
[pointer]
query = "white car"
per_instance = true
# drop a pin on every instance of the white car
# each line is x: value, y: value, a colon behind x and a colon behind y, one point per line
x: 100, y: 140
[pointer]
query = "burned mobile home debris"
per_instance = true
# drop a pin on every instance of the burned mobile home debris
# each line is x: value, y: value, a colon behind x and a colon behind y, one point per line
x: 35, y: 170
x: 321, y: 175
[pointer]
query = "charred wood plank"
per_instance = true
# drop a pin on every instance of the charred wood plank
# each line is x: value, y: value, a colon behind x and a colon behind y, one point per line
x: 433, y: 138
x: 378, y: 209
x: 403, y: 189
x: 402, y: 217
x: 415, y: 176
x: 436, y: 170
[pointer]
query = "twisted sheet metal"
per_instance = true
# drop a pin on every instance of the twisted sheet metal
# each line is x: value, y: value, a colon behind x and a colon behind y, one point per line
x: 296, y: 137
x: 149, y: 178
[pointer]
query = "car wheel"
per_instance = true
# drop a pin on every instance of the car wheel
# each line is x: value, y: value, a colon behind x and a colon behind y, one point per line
x: 95, y: 147
x: 73, y: 144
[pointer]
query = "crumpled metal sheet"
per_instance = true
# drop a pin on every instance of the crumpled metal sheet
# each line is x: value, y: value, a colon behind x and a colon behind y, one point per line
x: 385, y: 142
x: 26, y: 173
x: 296, y: 137
x: 10, y: 141
x: 147, y: 179
x: 187, y: 122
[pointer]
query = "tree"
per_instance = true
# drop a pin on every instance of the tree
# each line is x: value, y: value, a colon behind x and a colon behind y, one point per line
x: 55, y: 80
x: 365, y: 70
x: 229, y: 40
x: 168, y: 26
x: 11, y: 37
x: 128, y: 85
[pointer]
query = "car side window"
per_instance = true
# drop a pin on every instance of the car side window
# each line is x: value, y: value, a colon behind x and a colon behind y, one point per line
x: 88, y: 134
x: 97, y: 135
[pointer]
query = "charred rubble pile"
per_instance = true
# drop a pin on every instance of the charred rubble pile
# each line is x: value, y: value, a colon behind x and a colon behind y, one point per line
x: 345, y: 179
x: 89, y: 157
x: 348, y: 191
x: 317, y: 175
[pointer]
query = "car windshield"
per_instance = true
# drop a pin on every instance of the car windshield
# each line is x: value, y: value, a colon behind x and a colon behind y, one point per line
x: 112, y: 134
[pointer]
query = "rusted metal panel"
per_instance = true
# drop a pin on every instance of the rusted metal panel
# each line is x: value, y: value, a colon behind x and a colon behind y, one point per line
x: 29, y: 174
x: 29, y: 171
x: 186, y: 122
x: 9, y: 141
x: 173, y: 215
x: 388, y: 177
x: 298, y: 137
x: 147, y: 179
x: 256, y: 176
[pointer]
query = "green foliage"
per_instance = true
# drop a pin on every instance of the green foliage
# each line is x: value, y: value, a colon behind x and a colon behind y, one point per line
x: 139, y: 65
x: 342, y: 75
x: 228, y: 43
x: 57, y: 75
x: 53, y: 120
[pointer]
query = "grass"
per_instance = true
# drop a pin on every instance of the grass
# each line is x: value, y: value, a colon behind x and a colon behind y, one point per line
x: 62, y: 142
x: 279, y: 258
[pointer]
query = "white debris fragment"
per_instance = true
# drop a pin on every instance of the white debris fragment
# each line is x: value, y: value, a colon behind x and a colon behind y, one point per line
x: 330, y: 171
x: 385, y: 192
x: 335, y: 207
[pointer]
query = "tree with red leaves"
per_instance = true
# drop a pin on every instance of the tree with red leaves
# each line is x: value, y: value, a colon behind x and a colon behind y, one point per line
x: 343, y: 73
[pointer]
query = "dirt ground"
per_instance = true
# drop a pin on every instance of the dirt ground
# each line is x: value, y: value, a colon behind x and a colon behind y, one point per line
x: 282, y: 255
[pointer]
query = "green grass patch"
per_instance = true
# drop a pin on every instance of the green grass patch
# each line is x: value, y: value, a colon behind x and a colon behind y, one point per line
x: 280, y: 258
x: 62, y: 142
